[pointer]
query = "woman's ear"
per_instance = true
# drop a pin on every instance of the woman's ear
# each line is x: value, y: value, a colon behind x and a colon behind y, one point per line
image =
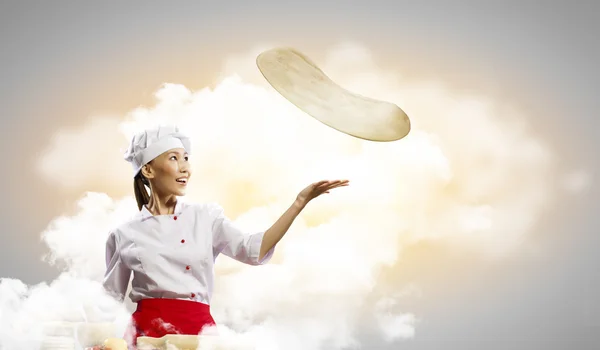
x: 147, y: 171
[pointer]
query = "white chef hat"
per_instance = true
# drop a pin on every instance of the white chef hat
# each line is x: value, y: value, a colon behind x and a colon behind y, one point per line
x: 151, y: 143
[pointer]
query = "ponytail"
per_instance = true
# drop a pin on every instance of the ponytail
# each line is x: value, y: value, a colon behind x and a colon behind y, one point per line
x: 139, y: 188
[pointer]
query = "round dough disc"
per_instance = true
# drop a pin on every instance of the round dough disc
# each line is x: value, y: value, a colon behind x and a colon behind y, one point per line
x: 301, y: 82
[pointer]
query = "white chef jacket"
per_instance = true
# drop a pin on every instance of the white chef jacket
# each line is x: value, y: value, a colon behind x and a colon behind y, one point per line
x: 173, y: 256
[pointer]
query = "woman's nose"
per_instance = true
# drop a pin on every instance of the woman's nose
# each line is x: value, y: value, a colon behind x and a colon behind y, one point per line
x: 184, y: 167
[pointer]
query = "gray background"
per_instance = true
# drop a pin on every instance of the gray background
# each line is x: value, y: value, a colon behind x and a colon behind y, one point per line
x: 540, y: 55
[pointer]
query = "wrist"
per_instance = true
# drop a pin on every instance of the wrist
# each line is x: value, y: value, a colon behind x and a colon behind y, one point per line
x: 299, y: 204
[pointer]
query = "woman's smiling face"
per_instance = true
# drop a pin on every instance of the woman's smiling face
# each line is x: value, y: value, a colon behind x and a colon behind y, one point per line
x: 169, y: 173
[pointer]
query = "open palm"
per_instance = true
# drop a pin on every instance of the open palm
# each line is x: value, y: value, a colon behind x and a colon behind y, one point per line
x: 316, y: 189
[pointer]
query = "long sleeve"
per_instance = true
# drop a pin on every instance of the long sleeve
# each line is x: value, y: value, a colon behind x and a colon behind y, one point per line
x: 235, y: 243
x: 116, y: 278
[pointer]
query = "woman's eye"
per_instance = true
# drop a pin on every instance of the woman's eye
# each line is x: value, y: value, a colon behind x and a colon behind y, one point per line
x: 174, y: 157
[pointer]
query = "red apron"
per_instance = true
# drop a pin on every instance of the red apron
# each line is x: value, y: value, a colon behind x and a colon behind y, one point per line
x: 159, y: 317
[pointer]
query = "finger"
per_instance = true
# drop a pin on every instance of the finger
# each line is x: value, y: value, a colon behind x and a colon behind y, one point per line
x: 336, y: 185
x: 339, y: 183
x: 323, y: 185
x: 329, y: 182
x: 326, y: 188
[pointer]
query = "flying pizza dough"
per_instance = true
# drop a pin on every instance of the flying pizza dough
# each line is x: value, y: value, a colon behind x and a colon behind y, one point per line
x: 302, y: 83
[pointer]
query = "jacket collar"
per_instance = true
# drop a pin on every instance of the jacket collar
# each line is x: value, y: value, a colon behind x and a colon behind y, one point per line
x: 145, y: 213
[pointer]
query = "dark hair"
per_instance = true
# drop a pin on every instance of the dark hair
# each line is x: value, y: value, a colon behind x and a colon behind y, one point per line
x: 139, y: 188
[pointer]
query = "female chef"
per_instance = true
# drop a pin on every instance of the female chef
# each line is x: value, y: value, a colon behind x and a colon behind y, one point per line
x: 170, y: 246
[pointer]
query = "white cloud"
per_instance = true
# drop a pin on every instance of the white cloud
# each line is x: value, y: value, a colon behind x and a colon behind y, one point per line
x: 470, y: 174
x: 89, y: 154
x: 30, y: 314
x: 74, y: 241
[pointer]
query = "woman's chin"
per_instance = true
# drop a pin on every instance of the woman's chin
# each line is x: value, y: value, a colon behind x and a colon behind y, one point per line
x: 181, y: 192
